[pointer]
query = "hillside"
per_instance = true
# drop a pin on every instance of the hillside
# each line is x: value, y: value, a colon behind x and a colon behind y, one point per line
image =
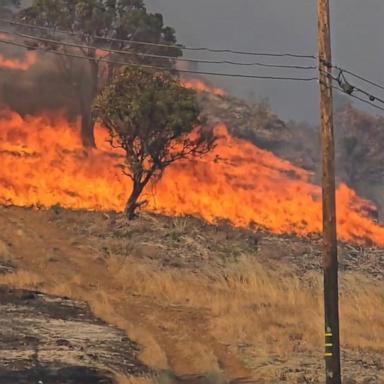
x: 359, y: 140
x: 219, y: 279
x: 205, y: 303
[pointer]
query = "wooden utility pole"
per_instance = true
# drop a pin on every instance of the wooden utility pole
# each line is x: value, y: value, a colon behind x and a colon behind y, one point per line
x: 331, y: 291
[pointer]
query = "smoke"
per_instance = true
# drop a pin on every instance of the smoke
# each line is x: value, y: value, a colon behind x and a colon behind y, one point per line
x: 265, y: 25
x: 281, y: 26
x: 42, y: 87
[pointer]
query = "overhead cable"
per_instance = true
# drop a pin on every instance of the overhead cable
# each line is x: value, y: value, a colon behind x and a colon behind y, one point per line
x: 176, y: 46
x: 360, y: 77
x: 156, y: 67
x: 150, y: 55
x: 340, y: 90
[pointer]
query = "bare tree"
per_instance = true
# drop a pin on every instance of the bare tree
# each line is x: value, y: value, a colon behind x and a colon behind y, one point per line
x: 155, y: 120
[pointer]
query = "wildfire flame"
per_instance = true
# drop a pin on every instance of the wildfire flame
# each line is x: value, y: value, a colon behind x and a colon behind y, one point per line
x: 43, y: 163
x: 201, y: 86
x: 5, y: 36
x: 24, y: 64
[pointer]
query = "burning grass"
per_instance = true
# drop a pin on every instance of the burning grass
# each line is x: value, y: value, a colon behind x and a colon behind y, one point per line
x: 24, y: 64
x: 44, y: 164
x: 199, y: 298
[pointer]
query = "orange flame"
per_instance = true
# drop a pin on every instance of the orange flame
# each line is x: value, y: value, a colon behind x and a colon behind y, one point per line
x: 100, y: 53
x: 43, y: 163
x: 5, y: 36
x: 201, y: 86
x: 18, y: 64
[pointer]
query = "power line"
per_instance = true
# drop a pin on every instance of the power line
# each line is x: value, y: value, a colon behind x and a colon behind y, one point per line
x: 129, y: 53
x: 340, y: 90
x: 235, y: 75
x: 360, y: 77
x: 349, y: 88
x: 370, y: 96
x: 25, y: 46
x: 343, y: 70
x: 367, y: 102
x: 176, y: 46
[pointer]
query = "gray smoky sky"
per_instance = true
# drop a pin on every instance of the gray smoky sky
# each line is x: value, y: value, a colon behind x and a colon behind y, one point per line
x: 281, y: 26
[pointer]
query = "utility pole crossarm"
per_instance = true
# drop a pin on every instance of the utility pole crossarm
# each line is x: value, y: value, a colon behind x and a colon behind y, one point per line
x: 331, y: 294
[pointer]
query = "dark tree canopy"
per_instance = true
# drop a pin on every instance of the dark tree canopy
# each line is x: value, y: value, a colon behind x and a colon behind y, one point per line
x: 155, y: 120
x: 94, y: 20
x: 94, y: 23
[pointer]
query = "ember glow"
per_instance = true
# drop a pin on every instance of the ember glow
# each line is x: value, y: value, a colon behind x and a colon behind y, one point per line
x: 30, y: 58
x: 43, y: 163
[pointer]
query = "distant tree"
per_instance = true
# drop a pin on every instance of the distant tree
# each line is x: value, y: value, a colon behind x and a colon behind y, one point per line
x: 94, y: 23
x: 359, y: 139
x: 155, y: 120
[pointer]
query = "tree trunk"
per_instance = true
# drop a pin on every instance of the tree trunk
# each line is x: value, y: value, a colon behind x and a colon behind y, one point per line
x: 87, y: 127
x: 87, y: 116
x: 132, y: 204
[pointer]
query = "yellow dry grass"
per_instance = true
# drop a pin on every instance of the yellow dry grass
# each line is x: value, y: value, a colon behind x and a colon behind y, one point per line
x: 4, y: 252
x: 188, y: 321
x: 21, y: 279
x: 249, y: 305
x: 121, y: 379
x: 246, y: 304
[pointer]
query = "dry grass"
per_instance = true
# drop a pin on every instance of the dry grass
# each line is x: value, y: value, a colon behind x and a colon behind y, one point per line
x: 21, y: 279
x: 362, y: 308
x: 188, y: 318
x: 250, y: 304
x: 121, y: 379
x: 244, y: 299
x: 4, y: 252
